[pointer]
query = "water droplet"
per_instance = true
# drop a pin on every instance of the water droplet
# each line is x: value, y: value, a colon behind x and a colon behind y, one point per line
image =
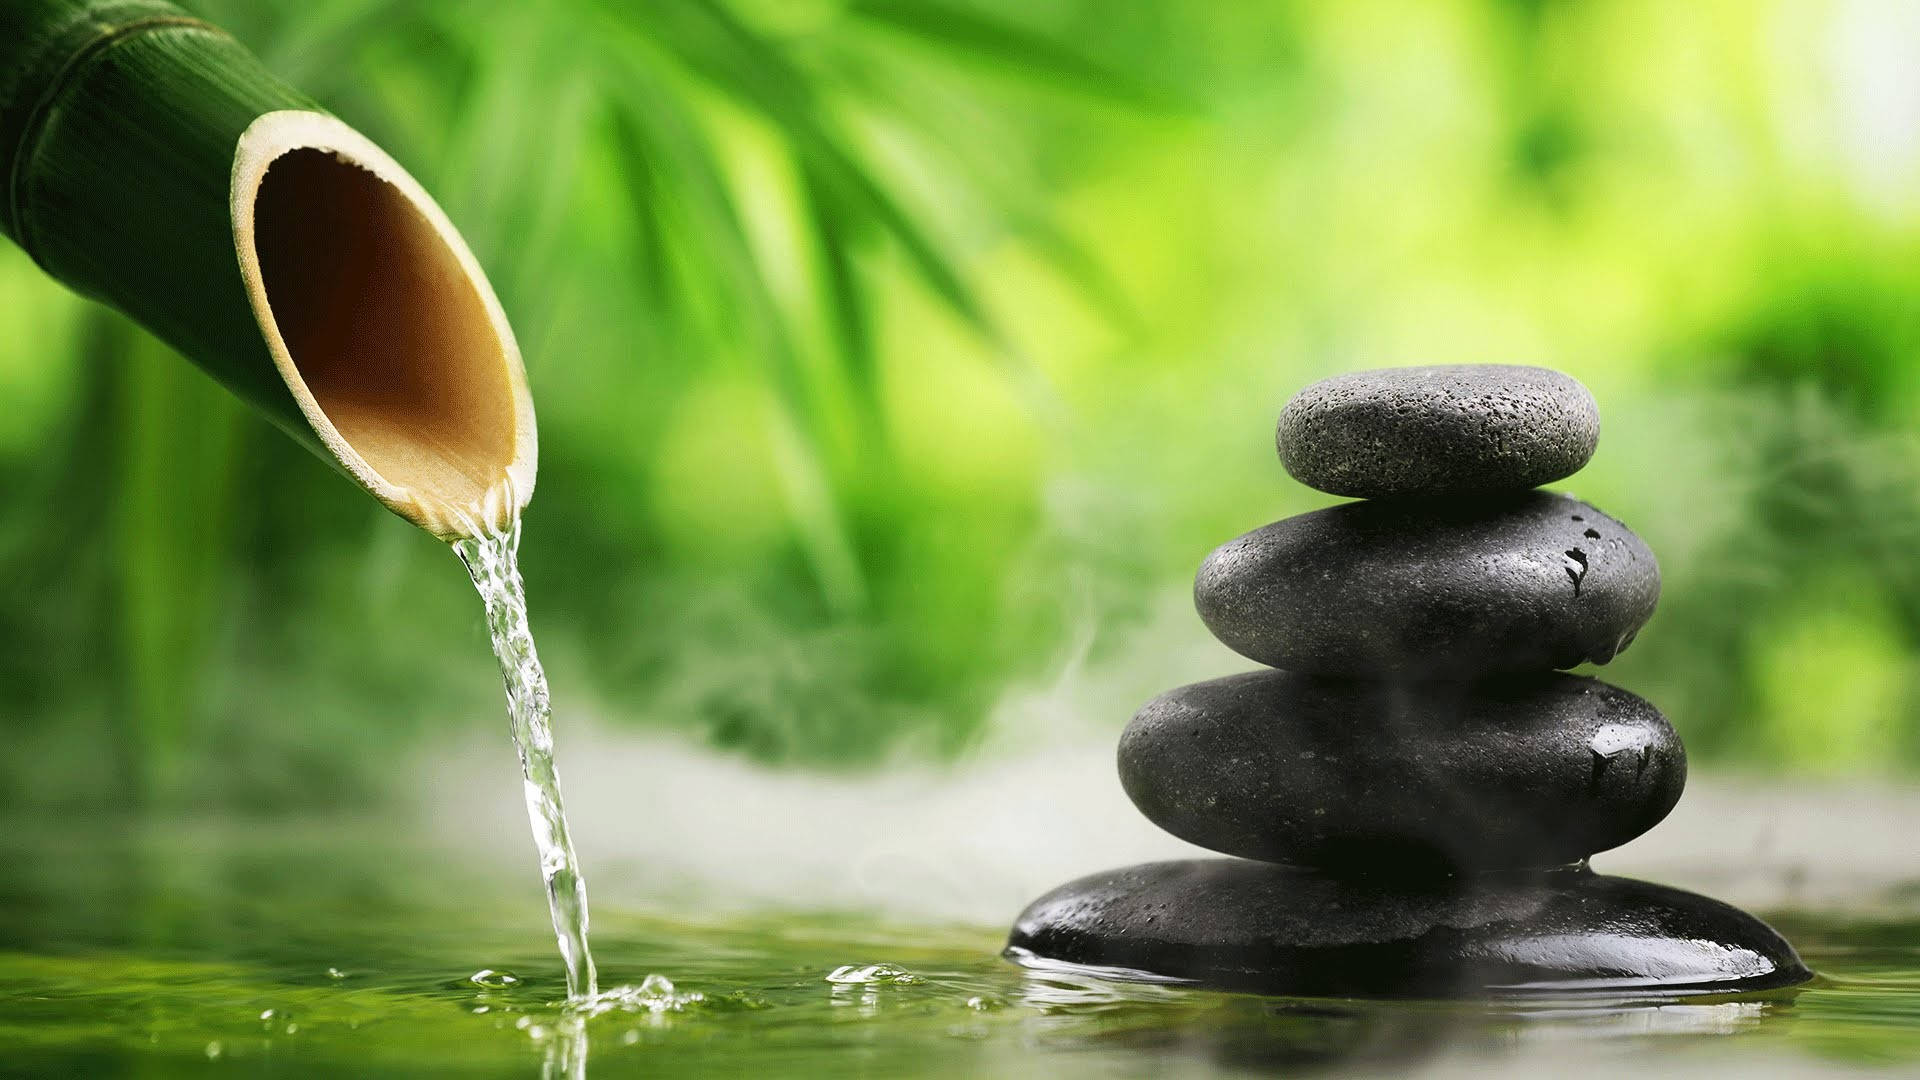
x: 656, y: 986
x: 336, y: 974
x: 494, y: 980
x: 1613, y: 738
x: 214, y: 1050
x: 1576, y: 567
x: 866, y: 974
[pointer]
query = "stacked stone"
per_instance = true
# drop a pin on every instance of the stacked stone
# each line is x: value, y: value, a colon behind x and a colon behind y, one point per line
x: 1419, y: 783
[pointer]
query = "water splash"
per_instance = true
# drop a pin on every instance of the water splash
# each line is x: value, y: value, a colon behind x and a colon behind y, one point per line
x: 492, y: 560
x: 656, y: 995
x: 864, y: 974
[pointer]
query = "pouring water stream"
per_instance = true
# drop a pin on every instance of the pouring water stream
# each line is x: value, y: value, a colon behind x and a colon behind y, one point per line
x: 491, y: 556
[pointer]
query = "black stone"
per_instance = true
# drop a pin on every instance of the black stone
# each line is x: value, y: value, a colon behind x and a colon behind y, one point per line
x: 1232, y: 924
x: 1434, y: 588
x: 1470, y: 428
x: 1403, y: 779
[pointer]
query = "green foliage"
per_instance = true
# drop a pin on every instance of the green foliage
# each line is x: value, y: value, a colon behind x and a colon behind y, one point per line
x: 890, y: 354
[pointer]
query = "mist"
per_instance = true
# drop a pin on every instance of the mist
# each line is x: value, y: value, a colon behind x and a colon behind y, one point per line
x: 664, y: 822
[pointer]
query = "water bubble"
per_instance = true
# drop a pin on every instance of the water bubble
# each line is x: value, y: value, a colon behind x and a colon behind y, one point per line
x: 336, y: 974
x: 214, y: 1050
x: 494, y: 980
x: 867, y: 974
x: 656, y: 986
x: 736, y: 1001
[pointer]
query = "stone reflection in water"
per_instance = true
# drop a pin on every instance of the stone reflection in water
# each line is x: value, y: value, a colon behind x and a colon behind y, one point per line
x: 1299, y: 1035
x: 1235, y: 1032
x: 1050, y: 986
x: 1102, y: 1008
x: 1573, y: 1019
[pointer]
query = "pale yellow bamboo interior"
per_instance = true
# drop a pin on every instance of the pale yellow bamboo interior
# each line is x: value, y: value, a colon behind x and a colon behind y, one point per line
x: 383, y: 326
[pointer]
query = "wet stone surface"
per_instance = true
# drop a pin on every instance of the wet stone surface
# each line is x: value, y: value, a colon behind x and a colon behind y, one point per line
x: 1450, y: 588
x: 1233, y: 924
x: 1394, y: 779
x: 1450, y: 430
x: 1419, y: 786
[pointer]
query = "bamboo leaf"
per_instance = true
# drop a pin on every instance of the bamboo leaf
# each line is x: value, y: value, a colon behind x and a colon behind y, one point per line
x: 309, y: 47
x: 956, y: 30
x: 662, y: 140
x: 739, y: 62
x: 846, y: 303
x: 663, y: 146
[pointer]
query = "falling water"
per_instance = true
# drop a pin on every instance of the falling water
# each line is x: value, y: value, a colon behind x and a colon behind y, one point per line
x: 492, y: 560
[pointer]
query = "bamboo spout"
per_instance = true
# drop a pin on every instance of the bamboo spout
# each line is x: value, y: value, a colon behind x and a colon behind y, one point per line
x: 150, y: 162
x: 380, y: 322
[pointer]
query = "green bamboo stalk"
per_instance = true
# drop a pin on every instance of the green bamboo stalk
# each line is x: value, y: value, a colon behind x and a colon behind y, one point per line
x: 150, y: 162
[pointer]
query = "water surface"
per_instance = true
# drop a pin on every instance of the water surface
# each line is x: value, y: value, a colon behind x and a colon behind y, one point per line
x: 348, y: 948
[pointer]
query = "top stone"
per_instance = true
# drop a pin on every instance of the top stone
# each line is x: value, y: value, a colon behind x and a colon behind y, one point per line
x: 1451, y: 430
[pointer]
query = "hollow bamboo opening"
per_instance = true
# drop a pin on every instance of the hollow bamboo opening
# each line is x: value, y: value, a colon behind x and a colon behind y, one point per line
x: 382, y: 324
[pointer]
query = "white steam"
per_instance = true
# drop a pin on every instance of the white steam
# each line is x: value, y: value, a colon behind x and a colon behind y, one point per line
x: 663, y: 822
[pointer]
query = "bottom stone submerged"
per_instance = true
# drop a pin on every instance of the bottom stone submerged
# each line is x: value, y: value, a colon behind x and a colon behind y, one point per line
x: 1240, y: 925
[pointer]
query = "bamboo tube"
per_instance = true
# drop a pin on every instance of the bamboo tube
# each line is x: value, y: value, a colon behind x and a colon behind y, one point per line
x: 150, y: 162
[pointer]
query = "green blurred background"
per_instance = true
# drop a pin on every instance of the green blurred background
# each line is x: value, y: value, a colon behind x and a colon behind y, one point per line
x: 889, y: 354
